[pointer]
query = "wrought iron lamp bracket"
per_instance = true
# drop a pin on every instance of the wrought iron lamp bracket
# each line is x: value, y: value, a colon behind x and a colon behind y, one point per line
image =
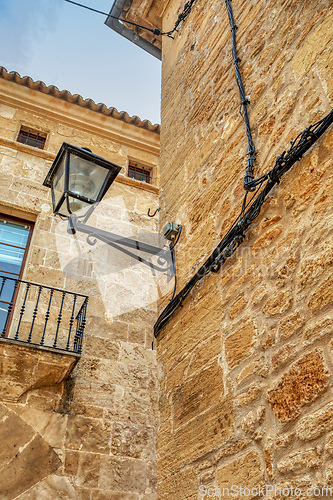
x: 124, y: 244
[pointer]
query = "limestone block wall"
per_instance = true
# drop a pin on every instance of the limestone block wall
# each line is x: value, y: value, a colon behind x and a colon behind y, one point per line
x: 94, y: 435
x: 246, y: 363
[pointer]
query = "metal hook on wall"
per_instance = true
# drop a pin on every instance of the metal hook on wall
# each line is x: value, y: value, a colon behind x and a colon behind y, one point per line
x: 153, y: 215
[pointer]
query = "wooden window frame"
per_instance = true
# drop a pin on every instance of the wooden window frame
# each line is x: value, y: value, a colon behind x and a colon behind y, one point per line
x: 31, y: 225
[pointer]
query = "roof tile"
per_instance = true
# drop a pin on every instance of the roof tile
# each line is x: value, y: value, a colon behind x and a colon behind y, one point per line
x: 65, y: 95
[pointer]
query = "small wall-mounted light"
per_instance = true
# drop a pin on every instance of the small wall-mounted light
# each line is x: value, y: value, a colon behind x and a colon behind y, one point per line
x: 78, y: 179
x: 171, y: 231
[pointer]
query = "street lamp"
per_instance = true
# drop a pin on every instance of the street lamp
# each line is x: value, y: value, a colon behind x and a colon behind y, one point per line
x: 78, y: 180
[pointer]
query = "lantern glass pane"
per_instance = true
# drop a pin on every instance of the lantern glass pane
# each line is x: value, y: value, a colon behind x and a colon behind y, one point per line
x: 58, y: 182
x: 75, y: 206
x: 86, y: 178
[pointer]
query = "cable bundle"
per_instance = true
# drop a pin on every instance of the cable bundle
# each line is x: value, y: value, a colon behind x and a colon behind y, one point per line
x: 250, y: 211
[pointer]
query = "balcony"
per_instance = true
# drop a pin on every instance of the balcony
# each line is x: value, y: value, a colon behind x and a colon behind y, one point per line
x: 41, y: 332
x: 42, y: 316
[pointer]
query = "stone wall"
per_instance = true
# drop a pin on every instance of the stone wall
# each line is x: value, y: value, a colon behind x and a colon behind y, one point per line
x: 93, y: 435
x: 246, y: 364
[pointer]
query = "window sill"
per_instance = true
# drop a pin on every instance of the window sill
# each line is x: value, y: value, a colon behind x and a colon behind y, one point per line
x: 31, y: 150
x: 138, y: 184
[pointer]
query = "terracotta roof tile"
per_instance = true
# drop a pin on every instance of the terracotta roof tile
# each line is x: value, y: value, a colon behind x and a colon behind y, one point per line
x: 65, y: 95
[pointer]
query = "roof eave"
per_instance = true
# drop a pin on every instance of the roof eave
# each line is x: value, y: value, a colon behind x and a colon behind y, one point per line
x: 116, y: 11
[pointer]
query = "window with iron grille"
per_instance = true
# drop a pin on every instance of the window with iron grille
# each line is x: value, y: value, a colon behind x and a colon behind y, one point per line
x: 139, y: 172
x: 31, y: 138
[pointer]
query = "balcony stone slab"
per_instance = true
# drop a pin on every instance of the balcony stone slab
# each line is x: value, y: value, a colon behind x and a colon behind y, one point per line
x: 24, y: 367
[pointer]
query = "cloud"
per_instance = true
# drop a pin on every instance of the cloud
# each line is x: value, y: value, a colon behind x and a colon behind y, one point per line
x: 23, y: 25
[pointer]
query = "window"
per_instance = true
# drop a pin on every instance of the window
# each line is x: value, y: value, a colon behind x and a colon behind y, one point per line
x: 15, y: 236
x: 139, y: 172
x: 31, y: 138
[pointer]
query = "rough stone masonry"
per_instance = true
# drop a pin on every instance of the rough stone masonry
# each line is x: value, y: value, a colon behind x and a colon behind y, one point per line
x: 246, y: 363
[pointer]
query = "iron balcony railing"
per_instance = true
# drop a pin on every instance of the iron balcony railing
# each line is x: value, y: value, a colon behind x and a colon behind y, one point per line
x: 40, y: 315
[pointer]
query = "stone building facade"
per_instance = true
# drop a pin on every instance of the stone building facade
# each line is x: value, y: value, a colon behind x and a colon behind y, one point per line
x: 77, y: 427
x: 246, y: 363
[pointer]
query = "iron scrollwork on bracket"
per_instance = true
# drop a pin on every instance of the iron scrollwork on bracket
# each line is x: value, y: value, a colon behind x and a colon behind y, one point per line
x: 91, y: 240
x: 126, y: 245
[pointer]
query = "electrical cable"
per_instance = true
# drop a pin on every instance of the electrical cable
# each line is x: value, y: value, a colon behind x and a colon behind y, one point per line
x: 173, y: 259
x: 181, y: 17
x: 236, y: 234
x: 249, y: 174
x: 155, y: 31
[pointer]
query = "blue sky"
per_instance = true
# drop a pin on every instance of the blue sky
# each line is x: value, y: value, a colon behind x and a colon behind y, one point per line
x: 71, y: 47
